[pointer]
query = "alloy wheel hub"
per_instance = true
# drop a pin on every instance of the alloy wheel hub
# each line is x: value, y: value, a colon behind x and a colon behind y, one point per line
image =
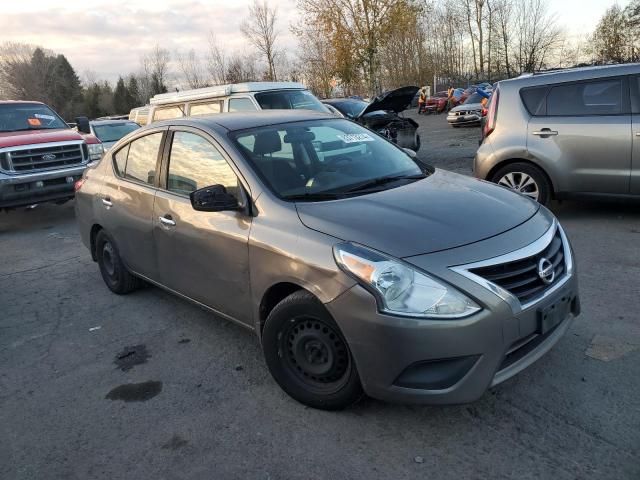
x: 520, y: 182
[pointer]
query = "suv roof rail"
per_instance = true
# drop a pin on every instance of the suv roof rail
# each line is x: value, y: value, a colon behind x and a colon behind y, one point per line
x: 222, y: 91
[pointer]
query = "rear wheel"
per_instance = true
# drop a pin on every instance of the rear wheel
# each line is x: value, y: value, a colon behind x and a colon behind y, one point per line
x: 308, y: 356
x: 526, y: 179
x: 113, y: 271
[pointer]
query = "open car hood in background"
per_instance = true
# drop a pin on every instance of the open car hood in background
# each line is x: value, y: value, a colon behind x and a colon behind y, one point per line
x: 396, y: 100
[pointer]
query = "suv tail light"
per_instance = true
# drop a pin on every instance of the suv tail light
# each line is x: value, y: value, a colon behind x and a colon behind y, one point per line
x: 492, y: 114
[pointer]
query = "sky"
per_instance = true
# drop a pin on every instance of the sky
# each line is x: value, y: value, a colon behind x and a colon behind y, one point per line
x: 108, y: 37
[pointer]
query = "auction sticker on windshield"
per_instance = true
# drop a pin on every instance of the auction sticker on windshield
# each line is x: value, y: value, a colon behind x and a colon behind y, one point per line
x: 356, y: 137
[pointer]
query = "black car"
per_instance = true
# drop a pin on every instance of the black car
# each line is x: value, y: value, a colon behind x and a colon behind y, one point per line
x: 382, y: 115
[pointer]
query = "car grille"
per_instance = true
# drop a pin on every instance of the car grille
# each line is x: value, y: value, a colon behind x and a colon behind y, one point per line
x: 44, y: 158
x: 521, y: 277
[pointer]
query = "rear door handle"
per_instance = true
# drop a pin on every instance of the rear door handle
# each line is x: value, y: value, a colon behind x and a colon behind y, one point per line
x: 545, y: 132
x: 107, y: 202
x: 167, y: 221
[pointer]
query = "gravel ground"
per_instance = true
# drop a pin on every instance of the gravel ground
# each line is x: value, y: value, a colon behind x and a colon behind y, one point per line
x: 96, y: 386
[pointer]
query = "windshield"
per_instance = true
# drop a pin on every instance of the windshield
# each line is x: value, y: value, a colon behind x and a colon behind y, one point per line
x: 15, y: 117
x: 112, y: 132
x: 289, y: 99
x: 324, y: 159
x: 351, y: 108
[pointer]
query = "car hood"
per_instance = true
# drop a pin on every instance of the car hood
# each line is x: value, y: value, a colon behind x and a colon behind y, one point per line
x: 443, y: 211
x: 396, y: 100
x: 30, y: 137
x: 467, y: 106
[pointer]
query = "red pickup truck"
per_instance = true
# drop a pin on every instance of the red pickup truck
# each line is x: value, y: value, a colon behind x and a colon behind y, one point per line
x: 41, y: 156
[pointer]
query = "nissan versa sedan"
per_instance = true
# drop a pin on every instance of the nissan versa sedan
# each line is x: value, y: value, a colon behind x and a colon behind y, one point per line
x: 360, y: 269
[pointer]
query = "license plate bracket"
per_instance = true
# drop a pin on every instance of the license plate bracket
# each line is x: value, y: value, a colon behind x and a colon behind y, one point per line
x: 551, y: 315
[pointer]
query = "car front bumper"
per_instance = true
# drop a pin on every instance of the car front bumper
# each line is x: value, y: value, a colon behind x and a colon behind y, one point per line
x: 412, y: 360
x: 409, y: 360
x: 29, y: 188
x: 463, y: 119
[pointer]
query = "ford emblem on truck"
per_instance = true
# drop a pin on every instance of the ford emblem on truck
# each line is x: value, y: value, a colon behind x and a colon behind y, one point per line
x: 48, y: 157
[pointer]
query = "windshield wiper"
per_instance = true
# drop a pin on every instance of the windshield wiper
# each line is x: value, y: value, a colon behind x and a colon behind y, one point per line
x: 383, y: 181
x: 313, y: 196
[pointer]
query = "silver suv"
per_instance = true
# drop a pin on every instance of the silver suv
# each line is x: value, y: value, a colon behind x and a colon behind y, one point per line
x: 558, y: 133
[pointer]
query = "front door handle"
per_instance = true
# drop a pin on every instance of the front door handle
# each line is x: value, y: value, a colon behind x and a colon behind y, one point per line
x: 167, y: 221
x: 107, y: 202
x: 545, y: 132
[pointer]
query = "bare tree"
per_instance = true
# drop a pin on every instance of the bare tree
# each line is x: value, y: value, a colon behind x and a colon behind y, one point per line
x: 191, y: 68
x: 538, y: 36
x: 155, y: 66
x: 217, y: 61
x: 260, y: 30
x: 16, y: 80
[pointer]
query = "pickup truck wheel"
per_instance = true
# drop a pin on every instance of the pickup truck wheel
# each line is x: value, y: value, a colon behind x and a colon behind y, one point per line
x: 307, y: 354
x: 113, y: 271
x: 526, y: 179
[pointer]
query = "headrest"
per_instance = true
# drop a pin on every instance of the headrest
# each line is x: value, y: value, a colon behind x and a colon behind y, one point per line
x: 267, y: 142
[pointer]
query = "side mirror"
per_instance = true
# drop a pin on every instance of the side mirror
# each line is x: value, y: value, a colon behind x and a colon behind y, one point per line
x: 213, y: 199
x: 83, y: 125
x: 410, y: 152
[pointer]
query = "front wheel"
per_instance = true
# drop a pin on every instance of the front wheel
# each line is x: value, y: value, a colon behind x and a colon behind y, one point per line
x: 308, y: 356
x: 526, y: 179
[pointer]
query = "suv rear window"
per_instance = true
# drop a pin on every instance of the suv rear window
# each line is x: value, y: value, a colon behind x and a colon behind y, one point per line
x: 586, y: 98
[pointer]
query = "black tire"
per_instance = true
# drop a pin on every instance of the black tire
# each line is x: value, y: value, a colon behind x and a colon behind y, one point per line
x: 114, y: 273
x: 514, y: 176
x: 307, y: 354
x: 416, y: 143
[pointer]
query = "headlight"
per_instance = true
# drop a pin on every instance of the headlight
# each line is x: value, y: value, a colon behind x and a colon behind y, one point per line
x: 95, y: 151
x: 400, y: 289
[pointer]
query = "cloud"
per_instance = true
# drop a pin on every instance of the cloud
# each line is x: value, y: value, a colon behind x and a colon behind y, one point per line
x: 109, y: 37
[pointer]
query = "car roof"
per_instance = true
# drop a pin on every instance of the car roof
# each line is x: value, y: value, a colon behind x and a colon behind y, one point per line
x: 574, y: 74
x: 342, y: 100
x: 3, y: 102
x: 110, y: 122
x: 221, y: 91
x: 241, y: 120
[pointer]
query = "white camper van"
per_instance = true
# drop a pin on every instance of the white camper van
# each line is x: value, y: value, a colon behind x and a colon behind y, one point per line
x: 232, y: 98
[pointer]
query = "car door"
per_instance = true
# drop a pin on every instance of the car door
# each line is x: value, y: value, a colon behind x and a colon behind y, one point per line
x: 635, y: 129
x: 584, y: 136
x: 202, y: 255
x: 127, y: 199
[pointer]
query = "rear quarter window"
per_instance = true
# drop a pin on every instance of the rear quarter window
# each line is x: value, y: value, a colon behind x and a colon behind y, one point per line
x: 533, y: 99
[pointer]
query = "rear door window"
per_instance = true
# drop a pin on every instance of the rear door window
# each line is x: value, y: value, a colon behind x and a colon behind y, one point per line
x: 142, y: 158
x: 586, y: 98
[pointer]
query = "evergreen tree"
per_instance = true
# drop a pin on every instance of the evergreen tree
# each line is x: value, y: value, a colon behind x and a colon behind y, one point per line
x: 120, y: 98
x: 157, y: 85
x: 133, y: 93
x: 64, y: 92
